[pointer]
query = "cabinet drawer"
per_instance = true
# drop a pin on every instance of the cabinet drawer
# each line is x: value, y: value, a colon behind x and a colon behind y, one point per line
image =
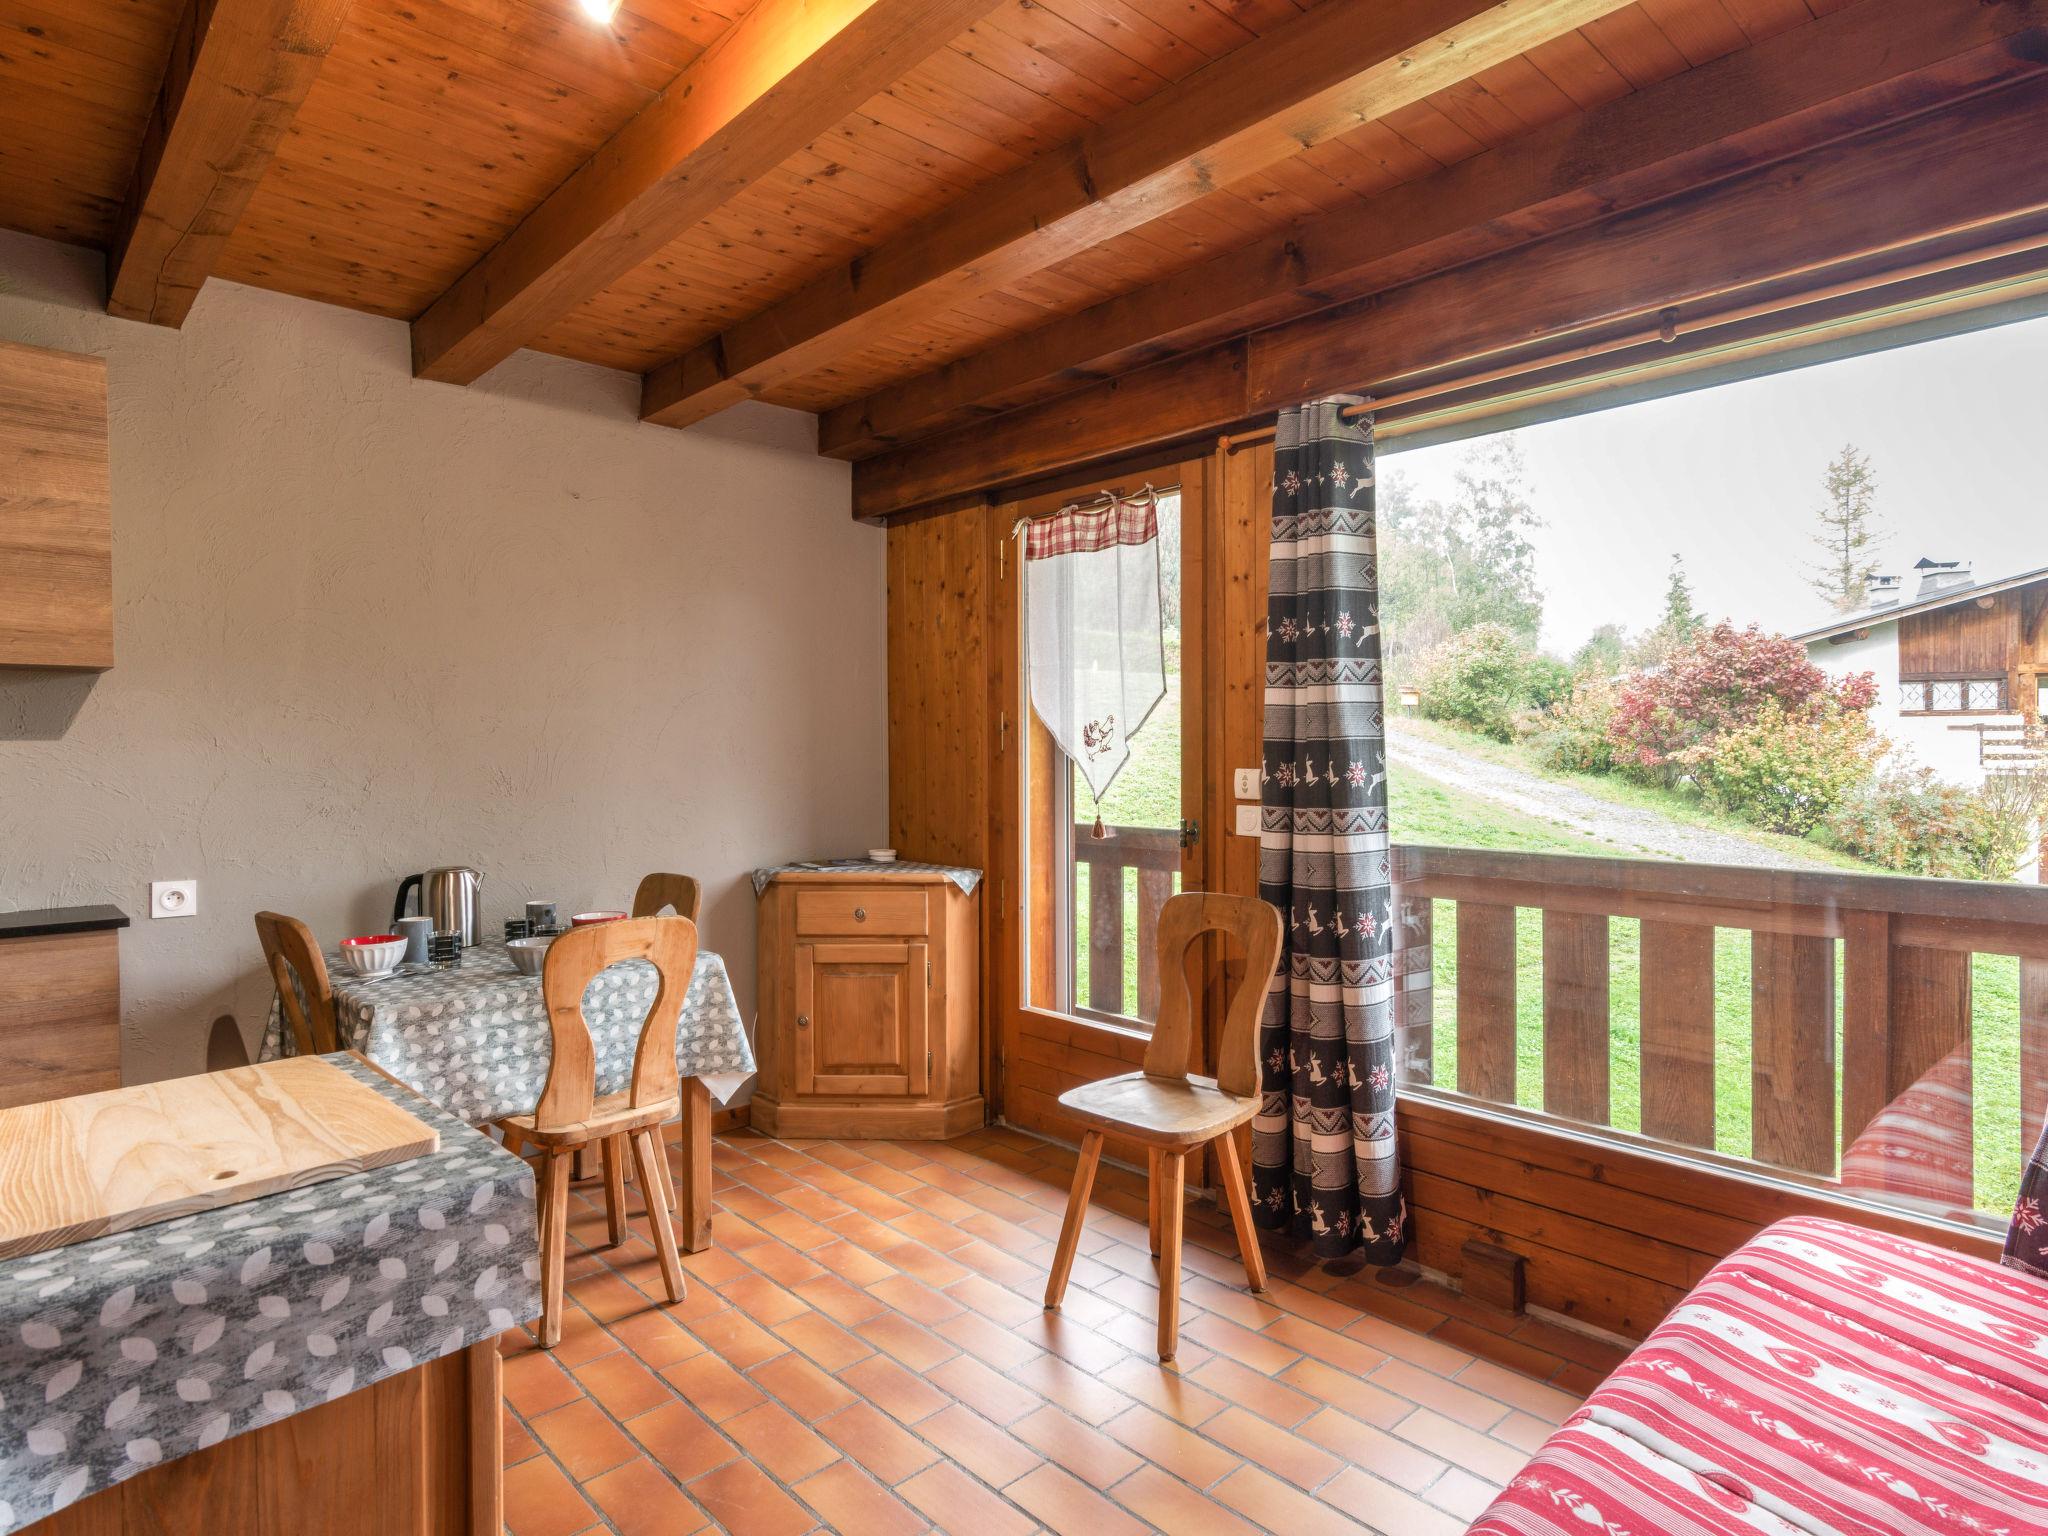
x: 854, y: 911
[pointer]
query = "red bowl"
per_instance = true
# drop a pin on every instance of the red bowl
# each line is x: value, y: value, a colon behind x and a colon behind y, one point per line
x: 374, y: 938
x: 585, y: 919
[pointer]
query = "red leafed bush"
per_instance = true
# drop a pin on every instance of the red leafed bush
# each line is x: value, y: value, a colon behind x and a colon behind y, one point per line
x: 1717, y: 683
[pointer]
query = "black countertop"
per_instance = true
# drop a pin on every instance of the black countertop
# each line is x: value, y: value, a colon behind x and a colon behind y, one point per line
x: 49, y: 920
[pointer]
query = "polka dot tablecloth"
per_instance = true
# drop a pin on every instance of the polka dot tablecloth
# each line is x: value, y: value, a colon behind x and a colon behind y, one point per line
x: 144, y: 1346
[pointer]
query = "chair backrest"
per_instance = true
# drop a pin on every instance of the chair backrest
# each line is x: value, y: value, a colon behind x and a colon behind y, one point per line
x: 657, y: 891
x: 308, y: 1007
x: 669, y: 944
x: 1173, y: 1048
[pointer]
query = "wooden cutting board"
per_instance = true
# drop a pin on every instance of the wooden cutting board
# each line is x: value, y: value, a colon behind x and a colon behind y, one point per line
x: 79, y: 1168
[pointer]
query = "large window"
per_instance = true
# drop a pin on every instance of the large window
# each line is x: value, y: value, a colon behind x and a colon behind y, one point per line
x: 1686, y: 685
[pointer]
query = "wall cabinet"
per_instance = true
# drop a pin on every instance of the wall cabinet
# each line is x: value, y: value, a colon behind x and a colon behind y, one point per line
x: 869, y: 1006
x: 56, y: 524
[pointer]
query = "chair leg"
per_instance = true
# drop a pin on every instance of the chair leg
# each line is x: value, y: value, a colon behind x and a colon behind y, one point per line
x: 1152, y: 1197
x: 1241, y: 1211
x: 554, y: 1242
x: 1172, y: 1187
x: 615, y: 1155
x: 1077, y: 1210
x: 647, y: 1153
x: 666, y: 1174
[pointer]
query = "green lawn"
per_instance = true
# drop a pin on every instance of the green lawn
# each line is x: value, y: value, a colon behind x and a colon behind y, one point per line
x: 1423, y: 810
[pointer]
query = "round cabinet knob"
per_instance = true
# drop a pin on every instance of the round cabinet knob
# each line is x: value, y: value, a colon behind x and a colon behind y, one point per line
x: 803, y: 1021
x: 860, y: 914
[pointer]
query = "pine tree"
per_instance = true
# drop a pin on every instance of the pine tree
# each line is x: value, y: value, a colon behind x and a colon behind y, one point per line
x: 1681, y: 620
x: 1851, y: 534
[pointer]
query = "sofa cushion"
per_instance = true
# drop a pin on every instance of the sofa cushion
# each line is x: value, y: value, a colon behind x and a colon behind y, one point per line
x: 1823, y: 1378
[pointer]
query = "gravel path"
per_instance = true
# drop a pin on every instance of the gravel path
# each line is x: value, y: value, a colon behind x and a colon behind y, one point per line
x: 1628, y: 828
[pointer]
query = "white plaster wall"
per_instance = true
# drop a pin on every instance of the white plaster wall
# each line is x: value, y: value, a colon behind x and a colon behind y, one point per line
x: 365, y: 625
x: 1928, y: 739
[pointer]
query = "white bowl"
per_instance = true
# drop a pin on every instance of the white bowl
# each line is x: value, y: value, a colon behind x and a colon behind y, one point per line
x: 527, y: 954
x: 374, y: 954
x: 882, y: 855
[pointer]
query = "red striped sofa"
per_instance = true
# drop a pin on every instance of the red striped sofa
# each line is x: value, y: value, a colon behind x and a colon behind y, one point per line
x: 1822, y: 1379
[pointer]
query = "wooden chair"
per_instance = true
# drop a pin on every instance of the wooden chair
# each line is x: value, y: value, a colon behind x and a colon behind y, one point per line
x: 308, y: 1008
x: 657, y: 891
x: 570, y: 1115
x: 1173, y: 1113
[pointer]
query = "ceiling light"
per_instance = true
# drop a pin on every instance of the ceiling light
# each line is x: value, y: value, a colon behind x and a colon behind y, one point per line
x: 599, y: 11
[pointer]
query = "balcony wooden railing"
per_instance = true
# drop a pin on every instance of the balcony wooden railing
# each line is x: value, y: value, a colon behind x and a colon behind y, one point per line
x: 1154, y: 852
x: 1903, y: 1082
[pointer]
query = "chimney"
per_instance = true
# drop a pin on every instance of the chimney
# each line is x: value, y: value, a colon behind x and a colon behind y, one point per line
x: 1881, y: 591
x: 1938, y: 576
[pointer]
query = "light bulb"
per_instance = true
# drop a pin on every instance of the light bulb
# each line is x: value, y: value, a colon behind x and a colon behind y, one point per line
x: 600, y: 11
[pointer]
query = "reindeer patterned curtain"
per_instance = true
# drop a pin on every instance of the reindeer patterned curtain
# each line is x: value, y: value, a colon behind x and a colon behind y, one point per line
x: 1323, y: 1156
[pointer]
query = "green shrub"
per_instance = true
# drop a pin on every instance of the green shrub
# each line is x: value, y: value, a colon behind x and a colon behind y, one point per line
x: 1716, y: 683
x: 1908, y: 820
x: 1571, y: 735
x: 1482, y: 679
x: 1786, y: 771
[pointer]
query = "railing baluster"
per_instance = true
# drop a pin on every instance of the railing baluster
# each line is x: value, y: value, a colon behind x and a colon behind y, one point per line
x: 1677, y: 964
x: 1414, y: 987
x: 2033, y: 1051
x: 1106, y: 936
x: 1486, y: 1001
x: 1792, y: 1031
x: 1154, y: 887
x: 1866, y: 1019
x: 1575, y: 1016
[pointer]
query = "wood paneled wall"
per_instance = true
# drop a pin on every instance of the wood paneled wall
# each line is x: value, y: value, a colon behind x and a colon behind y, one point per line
x: 1980, y: 639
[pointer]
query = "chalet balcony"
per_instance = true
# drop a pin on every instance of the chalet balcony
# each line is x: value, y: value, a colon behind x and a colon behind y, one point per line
x: 1860, y: 1037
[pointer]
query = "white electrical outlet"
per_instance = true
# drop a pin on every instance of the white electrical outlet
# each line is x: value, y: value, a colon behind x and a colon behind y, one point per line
x: 1247, y: 821
x: 173, y: 898
x: 1247, y: 783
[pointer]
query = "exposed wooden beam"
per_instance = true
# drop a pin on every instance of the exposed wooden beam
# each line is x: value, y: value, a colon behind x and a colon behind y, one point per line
x: 783, y: 76
x: 1970, y: 164
x: 1343, y: 63
x: 1868, y: 63
x: 237, y: 73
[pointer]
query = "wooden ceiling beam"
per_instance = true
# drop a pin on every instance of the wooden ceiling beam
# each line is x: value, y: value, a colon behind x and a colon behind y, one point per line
x: 1868, y: 63
x: 236, y: 76
x: 1343, y: 63
x: 782, y: 77
x: 1964, y: 166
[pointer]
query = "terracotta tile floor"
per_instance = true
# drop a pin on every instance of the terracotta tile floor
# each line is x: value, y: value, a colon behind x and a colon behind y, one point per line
x: 864, y: 1351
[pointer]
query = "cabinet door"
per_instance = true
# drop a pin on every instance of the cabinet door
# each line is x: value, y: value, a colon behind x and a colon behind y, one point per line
x: 862, y: 1020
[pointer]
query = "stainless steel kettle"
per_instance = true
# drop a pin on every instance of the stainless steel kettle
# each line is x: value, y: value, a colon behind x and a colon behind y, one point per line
x: 452, y: 898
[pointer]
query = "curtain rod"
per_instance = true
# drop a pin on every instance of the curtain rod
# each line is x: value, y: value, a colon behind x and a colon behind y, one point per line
x: 1101, y: 499
x: 1669, y: 328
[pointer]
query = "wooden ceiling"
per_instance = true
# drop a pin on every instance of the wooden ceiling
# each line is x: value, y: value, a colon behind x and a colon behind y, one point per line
x: 819, y: 202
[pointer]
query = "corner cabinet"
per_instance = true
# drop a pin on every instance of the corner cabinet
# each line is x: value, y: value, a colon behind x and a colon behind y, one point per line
x: 870, y: 1006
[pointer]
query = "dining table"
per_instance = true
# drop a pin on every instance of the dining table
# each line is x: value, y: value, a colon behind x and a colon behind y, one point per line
x: 473, y: 1038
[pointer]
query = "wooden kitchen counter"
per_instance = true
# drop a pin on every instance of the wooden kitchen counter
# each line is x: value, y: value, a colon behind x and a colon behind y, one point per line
x: 319, y: 1362
x: 60, y: 1002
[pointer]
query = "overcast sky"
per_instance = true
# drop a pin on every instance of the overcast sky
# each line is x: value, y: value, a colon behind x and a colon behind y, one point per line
x: 1729, y: 478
